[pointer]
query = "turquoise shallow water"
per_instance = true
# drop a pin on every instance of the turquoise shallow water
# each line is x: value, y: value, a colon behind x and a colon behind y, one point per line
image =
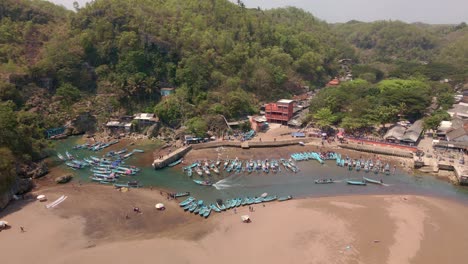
x: 299, y: 184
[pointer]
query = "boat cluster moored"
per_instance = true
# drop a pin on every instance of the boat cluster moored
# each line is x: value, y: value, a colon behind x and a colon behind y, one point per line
x: 204, y: 210
x: 96, y: 146
x: 320, y: 157
x: 376, y: 166
x: 238, y: 166
x: 104, y: 170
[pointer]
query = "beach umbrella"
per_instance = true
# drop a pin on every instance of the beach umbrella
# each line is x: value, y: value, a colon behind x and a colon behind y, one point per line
x: 159, y: 206
x: 245, y: 218
x: 264, y: 195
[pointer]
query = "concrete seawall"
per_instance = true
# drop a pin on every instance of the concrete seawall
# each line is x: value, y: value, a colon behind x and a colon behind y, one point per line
x: 171, y: 157
x: 251, y: 144
x: 378, y: 150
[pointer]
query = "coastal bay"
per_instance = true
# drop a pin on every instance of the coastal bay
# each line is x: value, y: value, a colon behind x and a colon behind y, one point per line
x: 91, y: 227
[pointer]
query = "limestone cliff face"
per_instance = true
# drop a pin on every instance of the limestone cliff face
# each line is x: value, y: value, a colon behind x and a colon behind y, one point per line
x: 24, y: 181
x: 83, y: 123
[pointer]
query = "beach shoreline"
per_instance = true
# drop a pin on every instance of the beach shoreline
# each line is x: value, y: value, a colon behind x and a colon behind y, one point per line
x: 91, y: 226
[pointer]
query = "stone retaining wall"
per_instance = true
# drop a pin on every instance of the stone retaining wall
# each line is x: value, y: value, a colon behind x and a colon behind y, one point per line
x: 376, y: 150
x: 253, y: 144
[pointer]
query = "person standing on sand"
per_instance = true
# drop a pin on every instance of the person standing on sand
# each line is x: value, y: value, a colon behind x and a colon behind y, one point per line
x: 22, y: 229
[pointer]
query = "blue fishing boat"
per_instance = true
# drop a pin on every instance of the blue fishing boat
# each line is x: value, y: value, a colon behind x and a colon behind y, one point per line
x: 269, y: 198
x: 175, y: 163
x: 180, y: 194
x: 187, y: 201
x: 204, y: 183
x: 373, y: 181
x: 207, y: 212
x: 138, y: 150
x: 193, y: 207
x: 285, y: 198
x: 215, y: 208
x: 361, y: 183
x: 187, y: 206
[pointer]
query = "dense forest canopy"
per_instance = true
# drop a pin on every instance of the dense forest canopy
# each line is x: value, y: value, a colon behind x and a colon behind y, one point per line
x: 113, y: 57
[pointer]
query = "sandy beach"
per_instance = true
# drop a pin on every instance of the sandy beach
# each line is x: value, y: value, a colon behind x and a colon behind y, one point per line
x: 91, y: 227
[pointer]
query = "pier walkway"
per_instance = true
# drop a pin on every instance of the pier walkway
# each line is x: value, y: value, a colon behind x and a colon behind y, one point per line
x: 171, y: 157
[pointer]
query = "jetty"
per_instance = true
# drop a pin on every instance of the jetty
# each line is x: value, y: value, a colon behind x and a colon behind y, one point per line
x: 171, y: 157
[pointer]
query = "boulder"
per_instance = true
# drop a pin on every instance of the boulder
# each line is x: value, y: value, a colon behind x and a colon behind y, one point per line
x: 64, y: 178
x: 37, y: 170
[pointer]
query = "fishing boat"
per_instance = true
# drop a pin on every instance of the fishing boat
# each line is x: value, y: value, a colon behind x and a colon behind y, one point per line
x: 324, y: 181
x: 387, y: 169
x: 69, y: 156
x: 270, y: 198
x: 175, y: 163
x: 191, y: 166
x: 61, y: 157
x: 187, y: 206
x: 373, y: 181
x: 361, y: 183
x: 187, y: 201
x: 193, y: 207
x: 138, y: 150
x: 215, y: 208
x: 221, y: 206
x: 285, y: 198
x: 214, y: 168
x: 207, y: 212
x: 130, y: 184
x: 181, y: 194
x: 204, y: 183
x: 127, y: 155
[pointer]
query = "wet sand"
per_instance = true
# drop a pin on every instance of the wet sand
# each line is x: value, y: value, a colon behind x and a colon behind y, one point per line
x: 90, y: 227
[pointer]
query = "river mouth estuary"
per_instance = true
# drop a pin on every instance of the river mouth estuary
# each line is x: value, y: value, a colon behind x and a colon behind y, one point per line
x: 230, y: 185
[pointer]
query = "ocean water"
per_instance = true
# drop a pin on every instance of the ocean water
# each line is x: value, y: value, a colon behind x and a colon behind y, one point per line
x: 300, y: 184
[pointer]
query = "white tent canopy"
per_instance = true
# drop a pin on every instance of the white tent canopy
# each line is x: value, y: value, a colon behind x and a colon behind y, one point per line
x: 3, y: 224
x: 159, y: 206
x: 245, y: 218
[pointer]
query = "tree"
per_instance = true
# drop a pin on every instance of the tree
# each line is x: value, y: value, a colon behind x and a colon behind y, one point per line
x: 69, y: 93
x: 384, y: 114
x: 197, y: 126
x: 7, y: 169
x: 433, y: 121
x: 324, y: 117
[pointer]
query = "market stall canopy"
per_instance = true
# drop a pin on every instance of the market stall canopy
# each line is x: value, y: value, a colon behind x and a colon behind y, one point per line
x: 245, y: 218
x: 41, y: 197
x: 159, y: 206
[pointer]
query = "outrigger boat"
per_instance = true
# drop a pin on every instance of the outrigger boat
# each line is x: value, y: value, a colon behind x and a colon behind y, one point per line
x: 372, y: 181
x: 324, y: 181
x: 361, y: 183
x: 175, y: 163
x: 285, y: 198
x: 130, y: 184
x: 180, y: 194
x: 187, y: 201
x: 204, y: 183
